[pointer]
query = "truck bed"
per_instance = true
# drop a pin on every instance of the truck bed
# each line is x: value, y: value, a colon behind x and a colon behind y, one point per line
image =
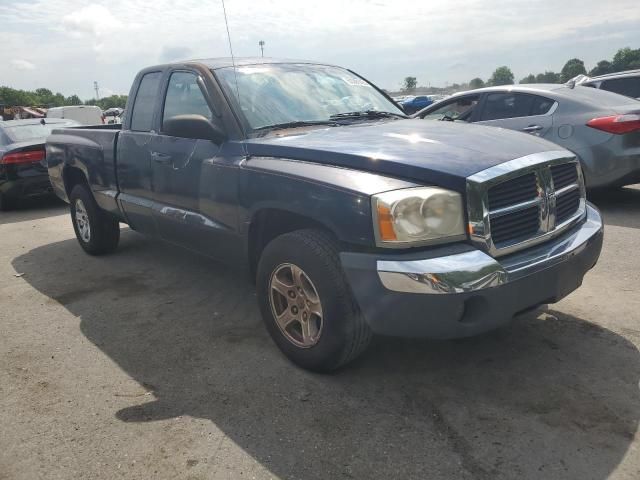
x: 90, y: 149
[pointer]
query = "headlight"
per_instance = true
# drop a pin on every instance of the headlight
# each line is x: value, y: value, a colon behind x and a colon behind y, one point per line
x: 417, y: 216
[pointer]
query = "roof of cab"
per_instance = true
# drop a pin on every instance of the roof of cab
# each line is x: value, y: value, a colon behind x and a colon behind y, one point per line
x: 222, y: 62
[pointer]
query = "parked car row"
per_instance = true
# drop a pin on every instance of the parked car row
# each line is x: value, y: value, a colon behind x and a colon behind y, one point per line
x: 413, y: 104
x: 600, y: 127
x: 351, y: 218
x: 23, y: 172
x: 625, y: 83
x: 23, y: 167
x: 596, y: 127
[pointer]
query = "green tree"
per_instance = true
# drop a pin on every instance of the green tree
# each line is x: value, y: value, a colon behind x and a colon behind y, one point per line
x: 109, y: 102
x: 410, y: 84
x: 602, y: 68
x: 572, y: 68
x: 44, y: 96
x: 531, y: 78
x: 476, y: 83
x: 626, y: 59
x: 12, y: 97
x: 73, y: 100
x: 57, y: 100
x: 502, y: 76
x: 548, y: 77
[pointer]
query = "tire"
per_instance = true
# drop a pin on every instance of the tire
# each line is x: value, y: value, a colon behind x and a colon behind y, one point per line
x: 342, y: 333
x: 103, y: 232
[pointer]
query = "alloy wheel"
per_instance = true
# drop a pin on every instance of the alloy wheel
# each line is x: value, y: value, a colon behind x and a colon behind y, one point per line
x: 295, y: 305
x: 82, y: 221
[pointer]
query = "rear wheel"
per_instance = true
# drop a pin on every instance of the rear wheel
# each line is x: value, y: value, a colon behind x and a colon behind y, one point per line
x: 307, y: 304
x: 96, y: 231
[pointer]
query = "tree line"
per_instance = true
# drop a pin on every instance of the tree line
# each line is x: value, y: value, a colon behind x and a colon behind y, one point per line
x: 43, y: 97
x: 624, y: 59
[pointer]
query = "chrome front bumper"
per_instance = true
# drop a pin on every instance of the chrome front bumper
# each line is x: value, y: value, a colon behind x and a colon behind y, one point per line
x: 475, y: 270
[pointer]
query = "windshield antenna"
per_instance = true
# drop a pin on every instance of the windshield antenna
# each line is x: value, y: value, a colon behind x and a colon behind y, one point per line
x: 235, y: 74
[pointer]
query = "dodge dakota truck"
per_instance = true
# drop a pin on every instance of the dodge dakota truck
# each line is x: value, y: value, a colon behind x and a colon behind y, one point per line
x: 352, y: 219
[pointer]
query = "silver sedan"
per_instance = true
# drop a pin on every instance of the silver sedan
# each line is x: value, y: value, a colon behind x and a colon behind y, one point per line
x: 600, y: 127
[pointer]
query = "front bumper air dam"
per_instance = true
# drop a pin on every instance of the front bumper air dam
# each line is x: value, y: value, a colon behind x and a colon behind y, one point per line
x: 458, y: 291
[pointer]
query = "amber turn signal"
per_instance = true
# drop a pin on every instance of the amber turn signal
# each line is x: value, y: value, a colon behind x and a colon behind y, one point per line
x: 385, y: 223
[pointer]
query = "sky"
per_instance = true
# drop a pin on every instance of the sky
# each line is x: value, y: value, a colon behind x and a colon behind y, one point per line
x: 66, y: 45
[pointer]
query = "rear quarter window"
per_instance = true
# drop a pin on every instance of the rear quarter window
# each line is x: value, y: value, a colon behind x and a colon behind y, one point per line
x: 145, y: 102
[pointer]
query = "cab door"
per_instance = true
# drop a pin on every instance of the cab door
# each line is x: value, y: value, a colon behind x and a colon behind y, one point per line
x: 177, y: 164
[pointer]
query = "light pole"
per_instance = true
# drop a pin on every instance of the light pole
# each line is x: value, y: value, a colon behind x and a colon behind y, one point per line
x: 95, y: 85
x: 261, y: 43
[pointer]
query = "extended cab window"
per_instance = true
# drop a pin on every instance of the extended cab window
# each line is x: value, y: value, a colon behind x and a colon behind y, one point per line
x: 459, y: 109
x: 142, y: 115
x: 184, y: 97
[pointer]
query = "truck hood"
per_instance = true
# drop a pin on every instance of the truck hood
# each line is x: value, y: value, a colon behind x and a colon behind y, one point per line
x: 430, y: 152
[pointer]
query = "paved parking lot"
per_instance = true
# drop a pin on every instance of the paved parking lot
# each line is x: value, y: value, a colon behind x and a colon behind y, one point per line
x: 153, y: 363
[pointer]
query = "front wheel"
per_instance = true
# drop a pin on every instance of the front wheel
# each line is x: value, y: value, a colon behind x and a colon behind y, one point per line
x: 96, y: 231
x: 306, y: 302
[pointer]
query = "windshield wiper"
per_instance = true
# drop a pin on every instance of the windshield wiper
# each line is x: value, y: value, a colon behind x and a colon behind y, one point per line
x: 367, y: 114
x: 298, y: 123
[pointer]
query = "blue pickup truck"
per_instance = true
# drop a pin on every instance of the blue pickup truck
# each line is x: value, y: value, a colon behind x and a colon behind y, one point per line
x: 351, y: 218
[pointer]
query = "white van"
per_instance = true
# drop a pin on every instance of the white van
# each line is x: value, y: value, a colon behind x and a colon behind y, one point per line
x: 83, y: 114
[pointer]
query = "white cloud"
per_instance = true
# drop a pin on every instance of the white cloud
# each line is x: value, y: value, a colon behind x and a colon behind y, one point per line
x: 74, y: 42
x: 94, y: 20
x: 171, y: 54
x: 22, y: 64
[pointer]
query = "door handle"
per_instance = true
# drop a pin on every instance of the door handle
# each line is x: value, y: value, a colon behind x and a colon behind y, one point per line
x: 161, y: 157
x: 532, y: 128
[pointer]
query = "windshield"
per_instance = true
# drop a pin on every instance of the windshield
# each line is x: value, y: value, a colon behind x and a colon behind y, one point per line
x: 34, y: 131
x: 273, y: 94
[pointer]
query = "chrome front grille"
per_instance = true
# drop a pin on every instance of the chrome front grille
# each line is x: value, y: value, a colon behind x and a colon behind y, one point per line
x: 513, y: 226
x: 563, y: 175
x: 567, y: 205
x: 525, y: 201
x: 518, y: 190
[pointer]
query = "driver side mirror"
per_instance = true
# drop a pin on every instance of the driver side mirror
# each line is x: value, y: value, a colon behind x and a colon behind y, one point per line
x: 196, y: 127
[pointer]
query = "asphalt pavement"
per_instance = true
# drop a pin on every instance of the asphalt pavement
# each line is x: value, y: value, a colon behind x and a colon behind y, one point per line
x: 153, y: 363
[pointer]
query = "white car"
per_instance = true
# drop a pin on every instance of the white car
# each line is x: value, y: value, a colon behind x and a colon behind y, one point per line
x: 83, y: 114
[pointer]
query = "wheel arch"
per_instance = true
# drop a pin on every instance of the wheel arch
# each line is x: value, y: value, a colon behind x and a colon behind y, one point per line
x: 73, y: 176
x: 271, y: 222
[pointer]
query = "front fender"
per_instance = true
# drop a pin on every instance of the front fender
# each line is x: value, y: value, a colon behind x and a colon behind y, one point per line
x: 335, y: 197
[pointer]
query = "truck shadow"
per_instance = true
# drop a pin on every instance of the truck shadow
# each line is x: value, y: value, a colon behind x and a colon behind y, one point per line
x: 619, y: 207
x: 551, y: 396
x: 34, y: 209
